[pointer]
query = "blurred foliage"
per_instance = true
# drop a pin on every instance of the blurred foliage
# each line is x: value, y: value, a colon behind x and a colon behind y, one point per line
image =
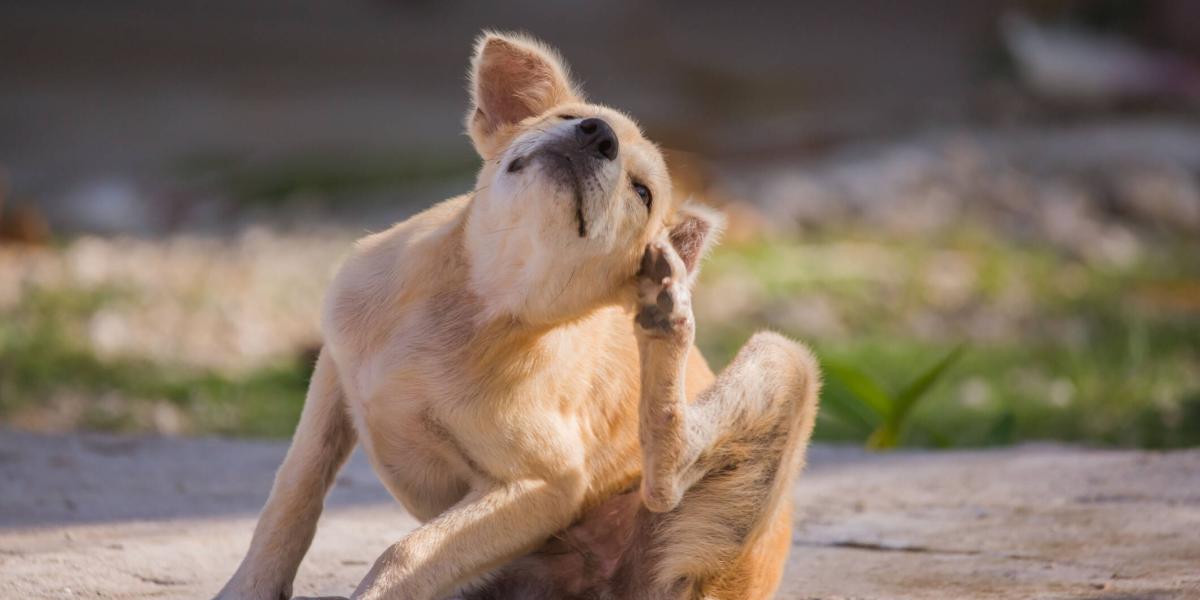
x: 1060, y: 348
x: 859, y: 400
x: 43, y: 362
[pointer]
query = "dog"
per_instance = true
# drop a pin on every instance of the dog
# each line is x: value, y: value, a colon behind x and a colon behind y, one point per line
x: 518, y: 364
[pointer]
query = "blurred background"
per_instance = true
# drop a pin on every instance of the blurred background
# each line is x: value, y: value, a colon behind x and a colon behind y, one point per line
x: 984, y: 215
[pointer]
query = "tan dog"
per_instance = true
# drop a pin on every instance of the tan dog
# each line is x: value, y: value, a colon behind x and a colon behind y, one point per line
x: 485, y: 353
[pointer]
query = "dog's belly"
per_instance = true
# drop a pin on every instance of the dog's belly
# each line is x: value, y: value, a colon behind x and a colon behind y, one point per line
x: 578, y: 562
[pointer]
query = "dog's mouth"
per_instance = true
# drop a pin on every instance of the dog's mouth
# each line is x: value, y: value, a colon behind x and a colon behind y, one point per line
x: 565, y: 172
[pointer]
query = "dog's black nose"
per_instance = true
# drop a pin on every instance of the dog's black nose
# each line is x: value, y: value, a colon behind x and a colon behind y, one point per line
x: 596, y: 136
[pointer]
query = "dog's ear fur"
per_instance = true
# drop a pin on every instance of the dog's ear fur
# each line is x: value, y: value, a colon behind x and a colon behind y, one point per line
x: 513, y: 77
x: 694, y: 230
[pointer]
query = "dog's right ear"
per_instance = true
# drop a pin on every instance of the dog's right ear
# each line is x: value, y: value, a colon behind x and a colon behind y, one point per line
x: 694, y: 230
x: 513, y: 78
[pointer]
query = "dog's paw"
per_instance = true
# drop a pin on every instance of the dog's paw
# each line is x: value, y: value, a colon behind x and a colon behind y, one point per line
x: 242, y: 587
x: 664, y: 300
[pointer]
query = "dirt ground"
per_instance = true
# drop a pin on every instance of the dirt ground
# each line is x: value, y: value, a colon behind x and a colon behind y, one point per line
x: 96, y: 516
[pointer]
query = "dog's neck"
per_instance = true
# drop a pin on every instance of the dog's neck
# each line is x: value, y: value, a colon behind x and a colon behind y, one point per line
x: 514, y: 351
x: 517, y: 277
x: 504, y: 353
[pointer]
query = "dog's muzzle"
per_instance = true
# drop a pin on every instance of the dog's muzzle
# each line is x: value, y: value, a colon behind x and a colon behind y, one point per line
x: 573, y: 158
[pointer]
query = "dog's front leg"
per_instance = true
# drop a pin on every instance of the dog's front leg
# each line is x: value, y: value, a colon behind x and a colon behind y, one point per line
x: 484, y: 530
x: 323, y: 441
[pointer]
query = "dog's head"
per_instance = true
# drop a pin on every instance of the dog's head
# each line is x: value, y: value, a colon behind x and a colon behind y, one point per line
x: 570, y: 192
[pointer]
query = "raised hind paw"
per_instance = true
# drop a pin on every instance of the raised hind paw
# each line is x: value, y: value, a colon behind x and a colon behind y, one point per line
x: 664, y: 300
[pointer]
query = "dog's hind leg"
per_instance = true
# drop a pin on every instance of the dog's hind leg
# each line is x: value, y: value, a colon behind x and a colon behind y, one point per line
x: 728, y: 534
x: 719, y: 471
x: 323, y: 441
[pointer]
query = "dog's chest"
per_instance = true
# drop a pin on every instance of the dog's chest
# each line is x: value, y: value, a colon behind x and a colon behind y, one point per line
x: 439, y: 417
x: 433, y: 434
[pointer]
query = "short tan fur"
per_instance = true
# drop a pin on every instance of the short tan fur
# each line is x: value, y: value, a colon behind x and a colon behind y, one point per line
x: 518, y: 364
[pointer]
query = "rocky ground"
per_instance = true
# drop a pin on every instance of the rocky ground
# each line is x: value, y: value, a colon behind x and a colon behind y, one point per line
x: 98, y: 516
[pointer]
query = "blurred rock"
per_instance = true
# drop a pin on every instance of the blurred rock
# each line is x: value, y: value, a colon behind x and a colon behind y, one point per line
x: 227, y: 303
x: 108, y: 205
x: 808, y: 316
x: 949, y: 280
x: 974, y: 392
x: 800, y: 198
x: 1078, y: 65
x: 1093, y: 190
x: 1166, y: 196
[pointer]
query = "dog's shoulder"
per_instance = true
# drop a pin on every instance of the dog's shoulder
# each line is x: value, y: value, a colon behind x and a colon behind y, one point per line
x: 390, y: 269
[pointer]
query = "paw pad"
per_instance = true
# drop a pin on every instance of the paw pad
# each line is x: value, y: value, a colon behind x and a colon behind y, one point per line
x: 664, y: 301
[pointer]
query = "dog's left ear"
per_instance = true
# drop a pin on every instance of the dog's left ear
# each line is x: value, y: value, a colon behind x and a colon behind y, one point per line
x: 693, y: 232
x: 513, y: 77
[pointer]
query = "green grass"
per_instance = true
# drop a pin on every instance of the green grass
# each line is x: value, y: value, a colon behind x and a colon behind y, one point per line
x: 1036, y: 392
x: 1090, y: 353
x: 862, y: 402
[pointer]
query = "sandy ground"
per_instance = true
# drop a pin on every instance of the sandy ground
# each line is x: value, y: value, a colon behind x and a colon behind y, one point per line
x: 108, y: 517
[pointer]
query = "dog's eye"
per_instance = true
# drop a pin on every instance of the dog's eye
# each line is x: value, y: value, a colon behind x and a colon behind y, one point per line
x: 567, y: 117
x: 643, y: 192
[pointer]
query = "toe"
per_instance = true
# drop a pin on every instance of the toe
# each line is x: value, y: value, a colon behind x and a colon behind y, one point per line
x: 666, y: 300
